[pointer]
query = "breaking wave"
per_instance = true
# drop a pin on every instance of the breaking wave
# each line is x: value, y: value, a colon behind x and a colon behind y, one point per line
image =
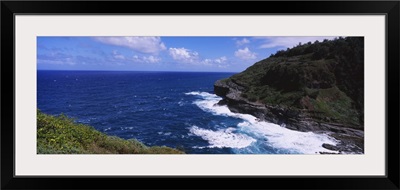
x: 253, y: 135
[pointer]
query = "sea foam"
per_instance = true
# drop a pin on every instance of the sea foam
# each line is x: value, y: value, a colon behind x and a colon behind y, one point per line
x: 251, y: 130
x: 223, y: 138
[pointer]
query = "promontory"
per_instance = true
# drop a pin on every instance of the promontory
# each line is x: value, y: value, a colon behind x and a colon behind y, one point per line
x: 314, y: 87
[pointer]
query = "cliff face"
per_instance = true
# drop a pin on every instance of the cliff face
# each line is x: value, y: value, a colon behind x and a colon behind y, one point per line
x: 313, y: 87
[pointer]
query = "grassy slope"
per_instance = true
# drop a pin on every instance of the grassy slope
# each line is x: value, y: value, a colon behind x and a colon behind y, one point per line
x: 61, y: 135
x: 325, y: 79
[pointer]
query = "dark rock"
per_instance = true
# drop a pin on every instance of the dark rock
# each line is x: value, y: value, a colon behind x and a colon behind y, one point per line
x: 328, y: 153
x: 330, y: 147
x: 351, y: 139
x: 222, y: 102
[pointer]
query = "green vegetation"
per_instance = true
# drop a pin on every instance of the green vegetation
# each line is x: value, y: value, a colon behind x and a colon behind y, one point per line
x: 61, y: 135
x: 326, y: 79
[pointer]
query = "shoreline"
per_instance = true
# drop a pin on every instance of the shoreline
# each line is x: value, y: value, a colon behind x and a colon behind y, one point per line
x: 351, y: 138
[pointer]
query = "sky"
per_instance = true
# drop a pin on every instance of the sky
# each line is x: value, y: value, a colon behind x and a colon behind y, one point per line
x: 154, y: 53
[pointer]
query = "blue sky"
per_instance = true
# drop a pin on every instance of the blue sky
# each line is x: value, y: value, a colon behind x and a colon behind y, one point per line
x: 152, y: 53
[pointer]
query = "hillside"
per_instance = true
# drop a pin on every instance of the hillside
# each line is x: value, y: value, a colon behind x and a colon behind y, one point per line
x: 61, y: 135
x: 315, y: 87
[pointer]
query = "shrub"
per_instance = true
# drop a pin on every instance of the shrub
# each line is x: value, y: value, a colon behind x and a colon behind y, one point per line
x: 61, y: 135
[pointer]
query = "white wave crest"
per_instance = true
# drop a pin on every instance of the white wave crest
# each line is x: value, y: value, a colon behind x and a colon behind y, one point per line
x: 280, y: 137
x: 202, y: 94
x: 273, y: 134
x: 223, y: 138
x: 209, y: 102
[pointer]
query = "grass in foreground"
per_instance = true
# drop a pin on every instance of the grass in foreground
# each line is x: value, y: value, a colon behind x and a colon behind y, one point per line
x: 61, y: 135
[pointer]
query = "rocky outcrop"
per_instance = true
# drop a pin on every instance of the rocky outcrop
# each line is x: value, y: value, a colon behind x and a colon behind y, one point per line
x: 350, y: 137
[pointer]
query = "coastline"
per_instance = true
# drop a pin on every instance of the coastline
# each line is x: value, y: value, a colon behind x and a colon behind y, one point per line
x: 351, y: 138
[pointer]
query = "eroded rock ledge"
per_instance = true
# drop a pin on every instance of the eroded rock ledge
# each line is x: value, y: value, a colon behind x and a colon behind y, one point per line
x: 351, y: 139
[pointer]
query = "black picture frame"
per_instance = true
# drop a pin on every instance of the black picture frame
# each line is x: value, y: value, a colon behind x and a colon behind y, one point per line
x: 10, y: 8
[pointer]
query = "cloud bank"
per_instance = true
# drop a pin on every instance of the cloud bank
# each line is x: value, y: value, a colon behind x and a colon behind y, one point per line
x: 245, y: 54
x: 137, y: 43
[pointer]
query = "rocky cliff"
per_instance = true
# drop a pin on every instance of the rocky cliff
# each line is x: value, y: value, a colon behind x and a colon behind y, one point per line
x: 314, y: 87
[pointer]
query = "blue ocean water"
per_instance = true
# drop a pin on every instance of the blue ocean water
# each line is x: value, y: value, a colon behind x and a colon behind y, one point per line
x: 175, y: 109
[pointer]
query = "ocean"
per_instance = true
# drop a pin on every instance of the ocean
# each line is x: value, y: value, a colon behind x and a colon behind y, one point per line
x: 175, y: 109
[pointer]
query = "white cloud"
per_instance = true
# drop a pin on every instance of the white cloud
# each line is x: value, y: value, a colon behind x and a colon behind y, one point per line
x: 140, y: 44
x: 207, y: 61
x: 288, y: 42
x: 56, y: 58
x: 184, y: 55
x: 148, y: 59
x: 221, y: 60
x: 218, y: 61
x: 245, y: 54
x: 57, y: 62
x: 117, y: 55
x: 151, y: 59
x: 242, y: 42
